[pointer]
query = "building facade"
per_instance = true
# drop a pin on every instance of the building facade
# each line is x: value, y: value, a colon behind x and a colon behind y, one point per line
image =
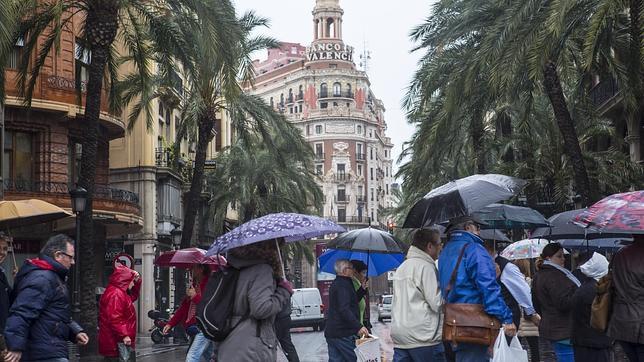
x: 42, y: 153
x: 320, y: 90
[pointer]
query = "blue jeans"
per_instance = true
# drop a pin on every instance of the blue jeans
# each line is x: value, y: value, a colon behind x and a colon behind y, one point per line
x: 201, y: 349
x: 467, y: 352
x: 420, y: 354
x: 564, y: 352
x: 342, y: 349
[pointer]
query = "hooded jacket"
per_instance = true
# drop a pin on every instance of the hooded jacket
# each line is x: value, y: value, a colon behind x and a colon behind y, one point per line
x: 117, y: 316
x: 416, y: 316
x: 39, y: 323
x: 257, y: 296
x: 476, y: 276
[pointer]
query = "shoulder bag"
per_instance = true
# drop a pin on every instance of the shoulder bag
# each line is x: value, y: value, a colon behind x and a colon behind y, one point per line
x: 601, y: 308
x: 467, y: 323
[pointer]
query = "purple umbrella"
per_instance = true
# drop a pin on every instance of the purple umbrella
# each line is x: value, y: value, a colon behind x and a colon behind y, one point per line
x: 290, y: 226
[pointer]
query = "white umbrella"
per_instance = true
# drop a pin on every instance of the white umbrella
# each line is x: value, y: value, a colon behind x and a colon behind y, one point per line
x: 525, y: 249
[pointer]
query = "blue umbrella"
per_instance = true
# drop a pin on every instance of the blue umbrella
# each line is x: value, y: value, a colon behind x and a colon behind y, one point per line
x: 377, y: 263
x: 290, y: 226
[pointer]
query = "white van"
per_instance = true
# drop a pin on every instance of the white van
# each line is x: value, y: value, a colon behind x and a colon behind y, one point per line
x: 307, y: 309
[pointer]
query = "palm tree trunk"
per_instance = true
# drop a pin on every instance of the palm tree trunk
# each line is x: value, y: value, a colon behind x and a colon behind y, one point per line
x: 192, y: 198
x: 552, y: 85
x: 476, y: 133
x: 101, y: 27
x: 635, y: 79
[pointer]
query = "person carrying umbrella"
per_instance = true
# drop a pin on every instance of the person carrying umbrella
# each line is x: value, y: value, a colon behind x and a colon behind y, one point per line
x: 416, y: 313
x: 475, y: 281
x: 200, y: 346
x: 260, y: 294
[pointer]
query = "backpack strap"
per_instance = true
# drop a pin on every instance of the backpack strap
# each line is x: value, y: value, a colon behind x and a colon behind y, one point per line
x: 452, y: 278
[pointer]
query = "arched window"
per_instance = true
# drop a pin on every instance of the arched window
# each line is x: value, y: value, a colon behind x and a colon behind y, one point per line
x: 324, y: 91
x: 282, y: 99
x: 290, y: 95
x: 300, y: 92
x: 349, y: 93
x: 337, y: 89
x: 330, y: 28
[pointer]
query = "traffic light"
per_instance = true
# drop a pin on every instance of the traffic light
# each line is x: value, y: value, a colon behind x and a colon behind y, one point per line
x: 390, y: 226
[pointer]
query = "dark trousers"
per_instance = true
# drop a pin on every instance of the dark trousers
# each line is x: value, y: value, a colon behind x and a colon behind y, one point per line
x: 533, y: 344
x: 588, y: 354
x: 342, y: 349
x: 634, y: 351
x: 420, y: 354
x: 283, y: 332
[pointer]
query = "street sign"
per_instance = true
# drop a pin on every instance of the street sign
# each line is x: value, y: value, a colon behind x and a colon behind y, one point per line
x: 124, y: 259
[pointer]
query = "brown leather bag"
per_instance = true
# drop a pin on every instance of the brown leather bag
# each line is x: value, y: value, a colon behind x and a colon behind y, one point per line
x: 467, y: 323
x: 601, y: 308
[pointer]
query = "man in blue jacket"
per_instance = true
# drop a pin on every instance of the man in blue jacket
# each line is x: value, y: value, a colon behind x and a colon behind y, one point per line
x: 475, y: 281
x: 343, y: 318
x: 40, y: 324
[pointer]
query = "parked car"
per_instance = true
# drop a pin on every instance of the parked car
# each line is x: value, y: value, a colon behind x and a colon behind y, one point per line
x: 384, y: 307
x: 307, y: 309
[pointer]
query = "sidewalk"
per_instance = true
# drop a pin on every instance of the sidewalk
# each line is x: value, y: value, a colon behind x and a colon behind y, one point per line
x: 144, y: 347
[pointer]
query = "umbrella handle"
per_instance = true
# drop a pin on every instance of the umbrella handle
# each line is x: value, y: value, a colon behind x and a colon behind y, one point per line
x: 279, y: 255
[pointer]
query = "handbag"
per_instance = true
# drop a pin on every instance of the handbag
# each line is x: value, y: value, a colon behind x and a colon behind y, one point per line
x: 126, y: 353
x: 602, y: 306
x: 467, y: 323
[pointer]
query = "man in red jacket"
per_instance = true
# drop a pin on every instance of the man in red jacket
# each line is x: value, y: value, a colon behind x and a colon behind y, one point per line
x: 117, y: 316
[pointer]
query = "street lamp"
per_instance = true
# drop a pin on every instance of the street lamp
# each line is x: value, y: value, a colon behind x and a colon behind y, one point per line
x: 79, y: 201
x: 176, y: 237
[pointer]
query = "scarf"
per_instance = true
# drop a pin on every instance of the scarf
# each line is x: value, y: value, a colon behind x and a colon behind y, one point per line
x: 567, y: 272
x: 596, y: 267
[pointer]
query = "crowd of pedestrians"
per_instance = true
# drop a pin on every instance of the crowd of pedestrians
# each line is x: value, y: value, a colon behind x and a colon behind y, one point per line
x: 553, y: 303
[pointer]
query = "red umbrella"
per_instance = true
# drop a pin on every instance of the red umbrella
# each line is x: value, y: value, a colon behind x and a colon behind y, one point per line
x: 187, y: 258
x: 616, y: 213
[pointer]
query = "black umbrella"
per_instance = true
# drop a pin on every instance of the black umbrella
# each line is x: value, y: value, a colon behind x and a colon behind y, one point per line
x: 367, y: 240
x: 501, y: 216
x: 486, y: 234
x: 461, y: 197
x: 562, y: 227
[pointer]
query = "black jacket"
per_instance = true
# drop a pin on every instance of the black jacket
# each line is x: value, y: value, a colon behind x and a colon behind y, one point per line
x: 582, y: 333
x: 40, y: 323
x: 627, y: 320
x: 552, y: 293
x: 343, y: 315
x: 5, y: 300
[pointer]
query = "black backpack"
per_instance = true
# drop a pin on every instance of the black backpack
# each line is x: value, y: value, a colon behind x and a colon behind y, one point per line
x: 215, y: 310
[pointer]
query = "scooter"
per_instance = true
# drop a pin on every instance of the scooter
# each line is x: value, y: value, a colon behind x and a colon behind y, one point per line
x: 156, y: 332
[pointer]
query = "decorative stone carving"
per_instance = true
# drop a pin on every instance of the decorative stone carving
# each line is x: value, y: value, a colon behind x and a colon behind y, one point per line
x: 341, y: 146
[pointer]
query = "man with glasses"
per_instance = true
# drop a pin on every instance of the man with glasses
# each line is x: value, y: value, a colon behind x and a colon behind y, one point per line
x: 40, y: 324
x: 343, y: 318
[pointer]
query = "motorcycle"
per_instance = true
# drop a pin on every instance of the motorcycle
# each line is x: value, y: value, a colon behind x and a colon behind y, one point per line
x: 156, y: 332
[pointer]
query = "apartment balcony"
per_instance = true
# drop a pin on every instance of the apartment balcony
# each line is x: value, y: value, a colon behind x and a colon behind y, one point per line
x: 342, y: 177
x: 361, y: 199
x: 111, y: 205
x: 351, y: 220
x: 345, y: 95
x: 319, y: 156
x: 361, y: 157
x: 342, y: 199
x: 604, y: 94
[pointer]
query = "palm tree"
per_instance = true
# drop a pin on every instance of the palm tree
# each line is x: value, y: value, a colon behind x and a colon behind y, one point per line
x: 8, y: 18
x: 216, y: 86
x: 141, y: 27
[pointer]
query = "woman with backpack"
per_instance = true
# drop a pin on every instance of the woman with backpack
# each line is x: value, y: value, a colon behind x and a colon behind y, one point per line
x: 260, y: 295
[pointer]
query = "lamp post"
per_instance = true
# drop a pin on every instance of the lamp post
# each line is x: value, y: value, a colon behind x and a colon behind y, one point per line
x: 79, y: 200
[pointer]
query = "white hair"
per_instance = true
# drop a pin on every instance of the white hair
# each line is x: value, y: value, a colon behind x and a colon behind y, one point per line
x: 340, y: 265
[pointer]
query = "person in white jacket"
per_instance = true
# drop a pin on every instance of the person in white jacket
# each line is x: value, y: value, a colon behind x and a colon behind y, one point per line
x: 416, y: 312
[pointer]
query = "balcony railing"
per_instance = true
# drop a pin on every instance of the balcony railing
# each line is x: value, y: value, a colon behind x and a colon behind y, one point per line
x: 350, y: 219
x: 361, y: 199
x: 324, y: 94
x: 319, y: 156
x: 603, y: 92
x: 342, y: 176
x: 336, y: 95
x: 361, y: 157
x: 342, y: 198
x: 103, y: 192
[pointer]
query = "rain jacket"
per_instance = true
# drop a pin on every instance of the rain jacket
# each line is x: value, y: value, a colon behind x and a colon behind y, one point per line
x: 40, y: 323
x: 416, y: 312
x: 476, y: 276
x: 258, y: 297
x: 187, y: 311
x: 117, y: 316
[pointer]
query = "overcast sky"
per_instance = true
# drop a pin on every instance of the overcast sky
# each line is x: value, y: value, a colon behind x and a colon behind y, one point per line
x: 383, y: 26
